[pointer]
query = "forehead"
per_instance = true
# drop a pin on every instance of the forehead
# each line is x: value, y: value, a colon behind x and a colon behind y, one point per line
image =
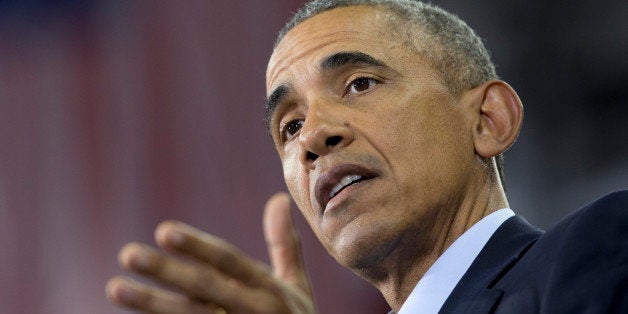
x: 354, y: 28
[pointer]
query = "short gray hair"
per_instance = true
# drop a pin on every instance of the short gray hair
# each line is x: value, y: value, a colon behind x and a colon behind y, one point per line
x: 459, y: 54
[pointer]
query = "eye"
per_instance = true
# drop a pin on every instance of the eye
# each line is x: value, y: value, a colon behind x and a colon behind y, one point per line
x: 360, y: 85
x: 290, y: 129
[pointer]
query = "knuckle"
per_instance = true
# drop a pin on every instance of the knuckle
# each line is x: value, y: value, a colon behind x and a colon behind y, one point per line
x: 226, y: 260
x: 274, y: 305
x: 204, y: 285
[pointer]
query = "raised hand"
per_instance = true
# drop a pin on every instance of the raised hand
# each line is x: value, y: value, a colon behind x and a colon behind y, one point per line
x: 208, y: 275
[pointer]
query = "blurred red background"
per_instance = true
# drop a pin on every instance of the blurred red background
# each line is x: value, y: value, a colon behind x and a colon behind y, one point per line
x: 116, y: 115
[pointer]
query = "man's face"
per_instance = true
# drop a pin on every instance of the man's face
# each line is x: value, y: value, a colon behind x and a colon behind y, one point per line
x: 375, y: 150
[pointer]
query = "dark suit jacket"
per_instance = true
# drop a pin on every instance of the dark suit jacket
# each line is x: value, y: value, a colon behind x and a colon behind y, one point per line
x: 578, y: 266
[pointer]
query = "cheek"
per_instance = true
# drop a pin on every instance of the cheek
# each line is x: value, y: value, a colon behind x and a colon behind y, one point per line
x: 404, y: 133
x: 290, y: 170
x: 427, y: 143
x: 297, y: 182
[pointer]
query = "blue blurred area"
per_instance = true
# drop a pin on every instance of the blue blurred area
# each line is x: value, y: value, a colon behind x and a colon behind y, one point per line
x: 8, y: 6
x: 36, y: 12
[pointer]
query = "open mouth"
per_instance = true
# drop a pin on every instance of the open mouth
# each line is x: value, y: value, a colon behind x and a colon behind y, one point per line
x: 338, y: 178
x: 345, y: 182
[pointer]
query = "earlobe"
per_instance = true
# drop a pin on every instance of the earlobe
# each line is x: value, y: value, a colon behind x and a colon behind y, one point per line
x: 499, y: 119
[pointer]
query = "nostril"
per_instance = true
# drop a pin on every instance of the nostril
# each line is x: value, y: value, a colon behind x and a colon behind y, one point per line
x: 333, y: 140
x: 311, y: 156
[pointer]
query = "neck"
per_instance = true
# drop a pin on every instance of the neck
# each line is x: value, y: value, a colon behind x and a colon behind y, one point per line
x: 396, y: 275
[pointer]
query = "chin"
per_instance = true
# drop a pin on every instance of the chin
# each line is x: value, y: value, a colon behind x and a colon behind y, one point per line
x: 364, y: 248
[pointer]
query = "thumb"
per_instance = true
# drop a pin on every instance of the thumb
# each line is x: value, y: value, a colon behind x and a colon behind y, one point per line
x: 284, y: 245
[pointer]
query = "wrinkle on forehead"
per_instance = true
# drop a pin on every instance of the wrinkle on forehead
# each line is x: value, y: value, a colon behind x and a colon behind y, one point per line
x: 374, y: 26
x: 276, y: 67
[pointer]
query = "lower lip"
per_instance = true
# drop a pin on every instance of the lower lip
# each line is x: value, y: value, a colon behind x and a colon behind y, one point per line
x: 342, y: 196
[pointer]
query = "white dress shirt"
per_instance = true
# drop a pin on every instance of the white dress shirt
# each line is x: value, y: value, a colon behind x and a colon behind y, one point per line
x: 439, y: 281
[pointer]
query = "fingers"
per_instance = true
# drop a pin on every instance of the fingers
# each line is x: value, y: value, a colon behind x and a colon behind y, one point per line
x: 224, y: 257
x: 216, y: 276
x: 134, y: 295
x: 284, y: 246
x: 197, y: 281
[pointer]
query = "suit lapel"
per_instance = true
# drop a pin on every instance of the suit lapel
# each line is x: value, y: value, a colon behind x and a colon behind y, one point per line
x: 474, y: 293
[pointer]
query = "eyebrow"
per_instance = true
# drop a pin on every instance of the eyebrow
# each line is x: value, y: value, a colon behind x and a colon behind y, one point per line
x: 331, y: 62
x: 349, y: 58
x: 271, y: 104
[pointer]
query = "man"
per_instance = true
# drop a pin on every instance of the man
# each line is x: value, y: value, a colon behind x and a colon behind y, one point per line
x: 389, y: 121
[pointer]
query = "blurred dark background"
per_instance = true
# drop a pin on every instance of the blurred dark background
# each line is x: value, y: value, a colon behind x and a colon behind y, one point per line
x: 115, y: 115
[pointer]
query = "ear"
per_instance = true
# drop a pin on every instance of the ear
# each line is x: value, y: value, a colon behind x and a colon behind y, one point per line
x: 498, y: 118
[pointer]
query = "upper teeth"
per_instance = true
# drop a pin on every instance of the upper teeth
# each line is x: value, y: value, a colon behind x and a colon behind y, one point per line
x: 346, y: 180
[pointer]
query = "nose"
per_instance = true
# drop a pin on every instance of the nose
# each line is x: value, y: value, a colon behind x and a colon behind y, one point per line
x: 324, y: 131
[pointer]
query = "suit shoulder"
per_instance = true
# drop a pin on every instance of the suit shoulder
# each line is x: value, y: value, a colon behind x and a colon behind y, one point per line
x: 599, y: 215
x: 593, y: 239
x: 612, y: 205
x: 595, y: 236
x: 586, y: 253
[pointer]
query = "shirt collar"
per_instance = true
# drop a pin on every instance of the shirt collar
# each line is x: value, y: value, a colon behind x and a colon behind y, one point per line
x: 439, y: 281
